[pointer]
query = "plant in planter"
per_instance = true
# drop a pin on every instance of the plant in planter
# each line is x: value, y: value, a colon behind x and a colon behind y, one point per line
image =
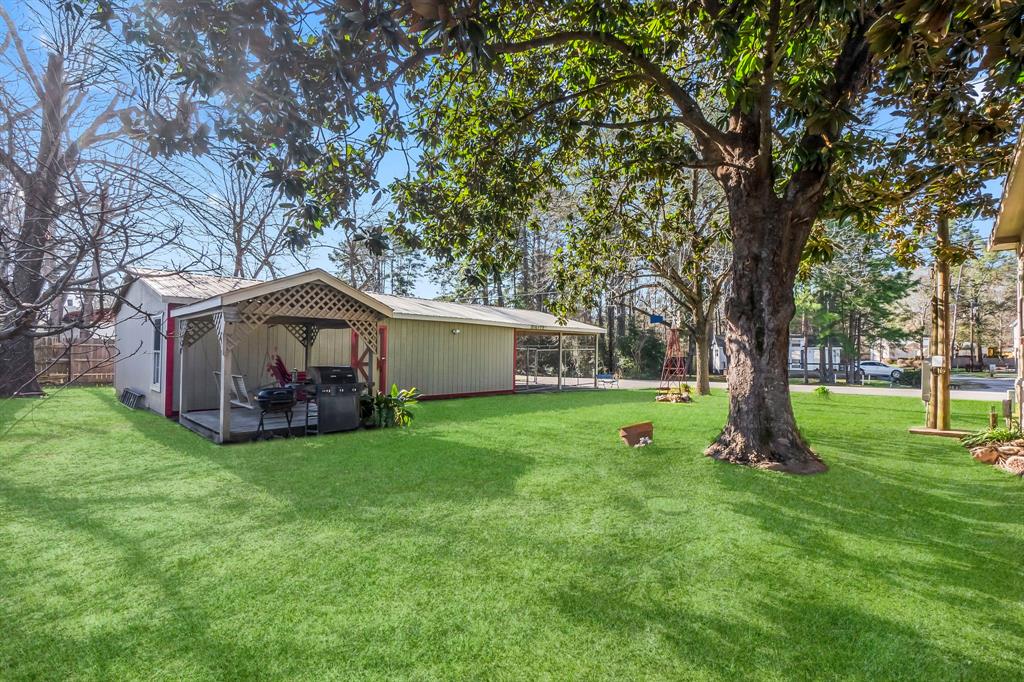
x: 1000, y: 447
x: 392, y: 408
x: 367, y: 411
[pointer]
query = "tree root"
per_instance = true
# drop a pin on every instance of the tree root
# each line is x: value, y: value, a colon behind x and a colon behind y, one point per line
x: 788, y: 455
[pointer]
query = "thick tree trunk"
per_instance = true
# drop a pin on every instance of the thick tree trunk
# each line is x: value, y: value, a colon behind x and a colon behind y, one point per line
x: 610, y: 339
x: 18, y: 367
x: 761, y: 429
x: 702, y: 342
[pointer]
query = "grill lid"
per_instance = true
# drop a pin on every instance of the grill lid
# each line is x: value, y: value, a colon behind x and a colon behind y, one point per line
x: 325, y: 374
x: 275, y: 397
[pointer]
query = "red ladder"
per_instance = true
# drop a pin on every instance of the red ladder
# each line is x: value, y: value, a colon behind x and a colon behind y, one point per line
x: 673, y: 370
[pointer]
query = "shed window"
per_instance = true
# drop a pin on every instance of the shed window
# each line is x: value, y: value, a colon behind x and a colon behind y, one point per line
x: 158, y: 348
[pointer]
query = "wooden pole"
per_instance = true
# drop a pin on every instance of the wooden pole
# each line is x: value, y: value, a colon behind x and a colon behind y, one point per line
x: 1018, y: 352
x: 224, y: 416
x: 306, y: 333
x: 559, y: 361
x: 180, y: 339
x: 933, y: 350
x: 942, y: 347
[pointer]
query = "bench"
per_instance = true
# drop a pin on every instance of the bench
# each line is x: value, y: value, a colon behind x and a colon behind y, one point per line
x: 608, y: 380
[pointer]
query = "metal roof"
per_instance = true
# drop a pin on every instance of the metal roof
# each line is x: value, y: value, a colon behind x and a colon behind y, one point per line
x: 409, y: 308
x: 258, y: 289
x: 207, y: 291
x: 189, y: 286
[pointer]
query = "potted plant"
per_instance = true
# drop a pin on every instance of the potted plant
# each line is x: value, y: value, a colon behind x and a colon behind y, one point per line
x: 367, y: 411
x: 392, y: 408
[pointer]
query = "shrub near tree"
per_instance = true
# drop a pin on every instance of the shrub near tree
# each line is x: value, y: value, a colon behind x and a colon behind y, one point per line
x: 507, y: 97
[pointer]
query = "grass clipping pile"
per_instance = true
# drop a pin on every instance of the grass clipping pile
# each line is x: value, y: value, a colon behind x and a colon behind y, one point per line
x: 1002, y: 448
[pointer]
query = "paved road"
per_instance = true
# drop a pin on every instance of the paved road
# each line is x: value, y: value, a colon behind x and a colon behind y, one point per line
x: 973, y: 388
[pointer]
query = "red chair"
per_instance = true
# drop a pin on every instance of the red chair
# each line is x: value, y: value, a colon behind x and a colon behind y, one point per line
x: 279, y: 371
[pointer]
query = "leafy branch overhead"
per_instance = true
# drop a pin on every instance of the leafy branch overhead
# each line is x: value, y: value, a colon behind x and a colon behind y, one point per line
x: 323, y: 89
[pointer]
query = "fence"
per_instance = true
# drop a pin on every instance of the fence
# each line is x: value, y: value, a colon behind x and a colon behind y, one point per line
x: 59, y: 361
x: 536, y: 360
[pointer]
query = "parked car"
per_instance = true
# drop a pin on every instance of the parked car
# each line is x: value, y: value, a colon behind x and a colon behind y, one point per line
x: 880, y: 370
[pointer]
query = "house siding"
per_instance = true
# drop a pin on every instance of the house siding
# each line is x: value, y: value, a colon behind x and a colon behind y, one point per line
x: 428, y: 356
x: 133, y: 367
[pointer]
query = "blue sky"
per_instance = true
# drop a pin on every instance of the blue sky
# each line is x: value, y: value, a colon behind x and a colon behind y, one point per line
x: 394, y: 165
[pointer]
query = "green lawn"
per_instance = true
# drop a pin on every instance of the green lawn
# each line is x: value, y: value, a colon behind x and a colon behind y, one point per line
x: 509, y: 537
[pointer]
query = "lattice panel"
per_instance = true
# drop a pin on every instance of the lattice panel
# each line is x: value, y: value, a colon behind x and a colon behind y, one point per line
x: 194, y: 330
x: 299, y: 332
x: 367, y: 331
x: 314, y: 300
x: 231, y: 333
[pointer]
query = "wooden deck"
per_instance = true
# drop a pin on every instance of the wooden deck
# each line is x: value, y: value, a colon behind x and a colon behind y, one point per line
x: 244, y: 422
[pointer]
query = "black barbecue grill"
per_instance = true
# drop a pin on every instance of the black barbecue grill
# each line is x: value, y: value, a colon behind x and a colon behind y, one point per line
x: 337, y: 391
x: 275, y: 400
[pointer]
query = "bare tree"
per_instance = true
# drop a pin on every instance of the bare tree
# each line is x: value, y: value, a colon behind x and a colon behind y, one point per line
x: 78, y: 206
x: 239, y: 214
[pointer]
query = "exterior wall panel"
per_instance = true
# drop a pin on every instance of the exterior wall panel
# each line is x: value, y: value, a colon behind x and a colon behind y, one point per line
x: 250, y: 358
x: 428, y: 356
x: 133, y: 367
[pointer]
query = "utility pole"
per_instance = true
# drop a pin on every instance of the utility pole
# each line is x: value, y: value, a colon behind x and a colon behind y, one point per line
x: 938, y: 407
x: 974, y: 318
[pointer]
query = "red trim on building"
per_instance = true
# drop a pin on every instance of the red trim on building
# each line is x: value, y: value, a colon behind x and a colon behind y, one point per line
x: 515, y: 355
x: 471, y: 394
x: 357, y: 360
x: 382, y: 357
x: 169, y: 410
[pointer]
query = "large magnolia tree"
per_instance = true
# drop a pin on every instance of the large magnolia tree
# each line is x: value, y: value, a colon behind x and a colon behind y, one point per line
x: 819, y: 110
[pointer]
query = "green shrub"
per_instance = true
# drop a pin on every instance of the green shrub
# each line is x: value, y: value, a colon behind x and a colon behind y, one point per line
x: 823, y: 392
x: 909, y: 377
x: 989, y: 436
x: 393, y: 408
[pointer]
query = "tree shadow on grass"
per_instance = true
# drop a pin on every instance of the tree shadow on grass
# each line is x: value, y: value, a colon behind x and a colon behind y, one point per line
x: 79, y: 643
x: 776, y: 635
x: 357, y: 472
x: 886, y: 512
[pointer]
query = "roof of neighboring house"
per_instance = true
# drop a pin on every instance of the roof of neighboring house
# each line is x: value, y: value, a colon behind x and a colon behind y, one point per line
x: 208, y: 291
x: 1006, y: 234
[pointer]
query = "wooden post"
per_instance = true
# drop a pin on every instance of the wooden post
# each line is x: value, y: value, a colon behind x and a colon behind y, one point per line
x: 940, y: 394
x: 224, y: 334
x: 224, y: 421
x: 181, y: 328
x: 559, y: 361
x: 370, y: 373
x: 1018, y: 351
x: 306, y: 334
x: 803, y: 359
x: 930, y: 421
x: 595, y: 360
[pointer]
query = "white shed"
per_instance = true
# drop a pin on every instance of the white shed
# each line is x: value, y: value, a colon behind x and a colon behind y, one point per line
x: 167, y: 352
